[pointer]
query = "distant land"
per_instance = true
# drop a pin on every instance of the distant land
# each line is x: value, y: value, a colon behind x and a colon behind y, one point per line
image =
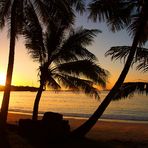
x: 19, y: 88
x: 33, y: 89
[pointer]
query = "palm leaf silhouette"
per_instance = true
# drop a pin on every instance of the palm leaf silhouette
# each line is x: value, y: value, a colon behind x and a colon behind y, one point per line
x: 128, y: 89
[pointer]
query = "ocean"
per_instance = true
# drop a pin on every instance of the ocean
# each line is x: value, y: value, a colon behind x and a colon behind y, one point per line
x: 79, y: 105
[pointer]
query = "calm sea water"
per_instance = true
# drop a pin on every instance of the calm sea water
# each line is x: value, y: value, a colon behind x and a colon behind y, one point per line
x: 80, y: 105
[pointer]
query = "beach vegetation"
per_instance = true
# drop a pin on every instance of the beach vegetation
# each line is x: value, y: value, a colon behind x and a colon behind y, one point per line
x: 119, y: 14
x: 64, y: 59
x: 61, y: 50
x: 128, y: 89
x: 121, y: 52
x: 141, y: 60
x: 12, y: 15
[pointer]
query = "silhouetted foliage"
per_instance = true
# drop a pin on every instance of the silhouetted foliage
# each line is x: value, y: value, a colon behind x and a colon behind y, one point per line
x: 128, y: 89
x: 118, y: 14
x: 121, y: 52
x: 63, y: 57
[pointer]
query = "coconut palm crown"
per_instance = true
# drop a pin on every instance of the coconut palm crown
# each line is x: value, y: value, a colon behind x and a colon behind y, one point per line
x: 12, y: 15
x: 118, y: 14
x: 141, y: 60
x: 63, y: 58
x: 121, y: 53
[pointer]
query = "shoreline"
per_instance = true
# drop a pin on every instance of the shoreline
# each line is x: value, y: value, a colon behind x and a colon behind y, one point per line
x: 103, y: 130
x: 85, y: 118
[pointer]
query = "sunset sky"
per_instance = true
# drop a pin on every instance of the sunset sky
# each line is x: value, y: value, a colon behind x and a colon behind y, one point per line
x: 25, y: 70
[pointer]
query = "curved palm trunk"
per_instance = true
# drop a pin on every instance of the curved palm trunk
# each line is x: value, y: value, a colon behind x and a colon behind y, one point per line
x: 6, y: 96
x: 86, y: 127
x: 36, y: 103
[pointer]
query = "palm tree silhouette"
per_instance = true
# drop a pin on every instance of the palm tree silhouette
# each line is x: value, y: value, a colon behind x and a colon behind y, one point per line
x: 12, y: 11
x: 121, y: 52
x: 118, y: 14
x: 63, y: 57
x: 129, y: 88
x: 141, y: 59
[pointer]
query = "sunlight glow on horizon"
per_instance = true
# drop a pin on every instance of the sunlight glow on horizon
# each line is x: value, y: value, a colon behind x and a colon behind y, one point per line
x: 25, y: 70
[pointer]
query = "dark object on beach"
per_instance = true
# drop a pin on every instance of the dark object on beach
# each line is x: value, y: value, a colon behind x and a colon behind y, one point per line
x: 51, y: 117
x: 50, y: 128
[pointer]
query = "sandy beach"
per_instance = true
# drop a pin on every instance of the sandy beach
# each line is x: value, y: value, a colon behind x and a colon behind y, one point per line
x: 120, y: 134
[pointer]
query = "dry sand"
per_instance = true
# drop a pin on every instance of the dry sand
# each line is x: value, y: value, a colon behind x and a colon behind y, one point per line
x: 126, y: 134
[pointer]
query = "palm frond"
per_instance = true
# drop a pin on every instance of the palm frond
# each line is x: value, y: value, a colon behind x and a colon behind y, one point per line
x: 128, y: 89
x: 5, y: 7
x: 121, y: 16
x: 74, y: 46
x: 52, y: 83
x: 143, y: 64
x: 72, y: 53
x: 82, y: 36
x: 42, y: 9
x: 118, y: 52
x: 77, y: 41
x: 142, y: 59
x: 64, y: 11
x: 54, y: 37
x: 33, y: 34
x: 19, y: 16
x: 77, y: 84
x: 100, y: 9
x: 79, y: 5
x: 48, y: 10
x: 140, y: 21
x: 121, y: 52
x: 13, y: 16
x: 84, y: 68
x: 63, y: 56
x: 115, y: 12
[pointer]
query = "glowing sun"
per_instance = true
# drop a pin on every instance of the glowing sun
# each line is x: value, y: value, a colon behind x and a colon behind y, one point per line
x: 2, y: 78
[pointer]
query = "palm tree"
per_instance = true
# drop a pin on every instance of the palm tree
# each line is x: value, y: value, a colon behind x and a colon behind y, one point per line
x: 12, y: 11
x: 64, y: 59
x: 118, y: 14
x: 129, y: 88
x: 121, y: 52
x: 68, y: 74
x: 141, y: 59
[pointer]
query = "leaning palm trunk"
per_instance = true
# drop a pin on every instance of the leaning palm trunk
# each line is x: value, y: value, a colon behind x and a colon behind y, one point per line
x: 6, y: 96
x: 86, y: 127
x: 36, y: 103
